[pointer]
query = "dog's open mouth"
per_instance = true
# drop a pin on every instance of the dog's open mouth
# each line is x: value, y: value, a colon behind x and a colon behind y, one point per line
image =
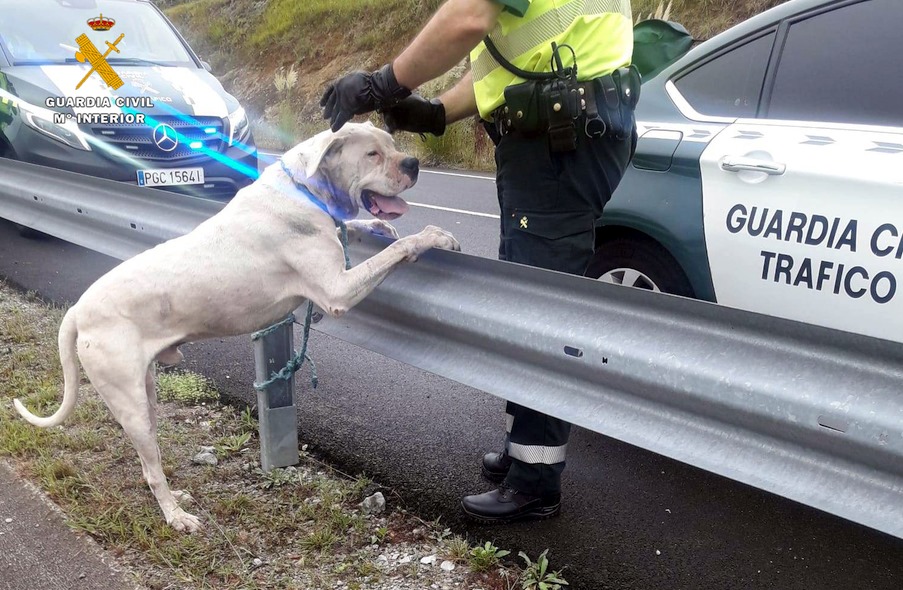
x: 382, y: 206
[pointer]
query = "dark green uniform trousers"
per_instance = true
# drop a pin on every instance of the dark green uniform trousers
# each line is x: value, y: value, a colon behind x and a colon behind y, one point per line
x: 549, y: 203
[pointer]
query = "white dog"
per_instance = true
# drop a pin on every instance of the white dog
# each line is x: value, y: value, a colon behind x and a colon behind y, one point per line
x: 269, y: 249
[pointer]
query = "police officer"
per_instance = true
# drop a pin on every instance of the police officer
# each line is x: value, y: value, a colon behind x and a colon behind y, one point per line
x: 550, y: 78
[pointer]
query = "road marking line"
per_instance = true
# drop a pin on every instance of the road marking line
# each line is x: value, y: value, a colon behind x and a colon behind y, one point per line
x: 459, y: 175
x: 450, y: 210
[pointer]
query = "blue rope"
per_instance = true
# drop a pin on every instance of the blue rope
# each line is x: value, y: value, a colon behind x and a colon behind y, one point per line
x: 297, y: 361
x: 273, y: 328
x: 344, y: 230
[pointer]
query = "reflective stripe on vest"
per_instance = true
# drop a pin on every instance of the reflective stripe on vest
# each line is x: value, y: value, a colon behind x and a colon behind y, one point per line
x: 599, y: 31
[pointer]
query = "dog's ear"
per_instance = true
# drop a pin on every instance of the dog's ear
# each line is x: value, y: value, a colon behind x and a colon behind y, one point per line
x: 321, y: 145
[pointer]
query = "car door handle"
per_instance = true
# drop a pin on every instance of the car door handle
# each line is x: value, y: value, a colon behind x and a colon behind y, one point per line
x: 738, y: 164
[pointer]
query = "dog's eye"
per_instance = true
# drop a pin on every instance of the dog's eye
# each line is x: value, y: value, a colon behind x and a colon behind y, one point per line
x: 373, y: 153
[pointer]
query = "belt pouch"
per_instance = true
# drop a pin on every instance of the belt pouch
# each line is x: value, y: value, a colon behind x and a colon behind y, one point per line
x: 561, y: 107
x: 616, y: 98
x: 523, y: 105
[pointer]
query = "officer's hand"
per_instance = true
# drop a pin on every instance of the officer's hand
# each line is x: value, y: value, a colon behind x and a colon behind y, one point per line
x: 416, y: 114
x: 358, y: 93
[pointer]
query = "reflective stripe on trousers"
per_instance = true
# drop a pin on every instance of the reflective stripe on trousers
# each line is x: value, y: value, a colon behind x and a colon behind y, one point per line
x: 537, y: 454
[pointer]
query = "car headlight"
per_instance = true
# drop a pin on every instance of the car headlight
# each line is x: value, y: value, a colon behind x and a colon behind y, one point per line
x: 67, y: 132
x: 239, y: 126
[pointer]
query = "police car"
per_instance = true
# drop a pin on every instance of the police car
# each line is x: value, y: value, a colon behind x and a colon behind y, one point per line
x: 768, y: 174
x: 110, y: 89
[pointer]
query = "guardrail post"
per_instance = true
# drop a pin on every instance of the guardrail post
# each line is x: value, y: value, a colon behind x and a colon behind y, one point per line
x: 275, y: 403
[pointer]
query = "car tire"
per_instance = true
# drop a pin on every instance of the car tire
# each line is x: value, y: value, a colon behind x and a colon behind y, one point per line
x: 638, y: 262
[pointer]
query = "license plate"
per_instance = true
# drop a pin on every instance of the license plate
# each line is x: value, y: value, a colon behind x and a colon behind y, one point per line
x: 170, y: 177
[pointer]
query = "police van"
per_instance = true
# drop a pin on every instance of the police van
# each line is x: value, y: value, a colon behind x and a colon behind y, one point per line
x: 768, y: 174
x: 109, y: 88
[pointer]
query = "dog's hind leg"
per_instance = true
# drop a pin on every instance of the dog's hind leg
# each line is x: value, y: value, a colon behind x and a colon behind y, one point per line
x: 150, y: 386
x: 125, y: 391
x: 134, y: 415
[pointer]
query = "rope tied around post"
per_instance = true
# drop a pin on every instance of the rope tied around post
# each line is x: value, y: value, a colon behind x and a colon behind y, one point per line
x: 297, y: 361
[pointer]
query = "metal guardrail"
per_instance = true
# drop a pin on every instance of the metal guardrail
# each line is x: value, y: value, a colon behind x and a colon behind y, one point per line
x: 809, y: 413
x: 113, y: 218
x: 805, y: 412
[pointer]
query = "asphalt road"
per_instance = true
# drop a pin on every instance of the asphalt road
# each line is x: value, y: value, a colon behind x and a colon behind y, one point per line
x: 631, y: 519
x: 39, y: 552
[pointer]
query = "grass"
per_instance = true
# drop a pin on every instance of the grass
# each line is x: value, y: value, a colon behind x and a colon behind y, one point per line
x: 185, y: 388
x: 537, y: 575
x: 295, y: 30
x: 19, y: 331
x: 485, y: 557
x: 321, y: 539
x: 379, y: 535
x: 232, y: 444
x: 285, y: 21
x: 458, y: 549
x: 464, y: 145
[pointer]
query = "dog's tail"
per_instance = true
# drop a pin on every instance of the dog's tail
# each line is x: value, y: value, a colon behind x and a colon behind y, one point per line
x: 68, y: 334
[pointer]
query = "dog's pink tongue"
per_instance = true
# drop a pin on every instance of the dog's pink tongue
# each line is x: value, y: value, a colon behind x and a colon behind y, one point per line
x: 394, y: 206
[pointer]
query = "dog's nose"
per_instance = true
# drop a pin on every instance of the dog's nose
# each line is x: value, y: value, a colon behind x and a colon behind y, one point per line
x: 411, y: 167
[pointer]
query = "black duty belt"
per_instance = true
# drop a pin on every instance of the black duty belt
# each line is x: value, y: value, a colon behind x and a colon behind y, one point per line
x: 599, y: 107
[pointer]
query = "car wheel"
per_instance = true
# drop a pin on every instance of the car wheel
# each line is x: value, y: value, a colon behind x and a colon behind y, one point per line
x: 640, y: 263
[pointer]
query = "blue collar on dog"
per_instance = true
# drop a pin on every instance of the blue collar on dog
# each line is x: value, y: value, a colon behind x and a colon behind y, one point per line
x: 307, y: 192
x: 315, y: 200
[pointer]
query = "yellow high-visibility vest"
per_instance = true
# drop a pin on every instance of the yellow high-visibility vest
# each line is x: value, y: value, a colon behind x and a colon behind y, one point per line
x: 599, y: 31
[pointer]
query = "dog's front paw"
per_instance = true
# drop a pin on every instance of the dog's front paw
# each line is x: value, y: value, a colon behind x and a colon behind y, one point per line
x: 437, y: 237
x: 377, y: 227
x: 382, y: 228
x: 183, y: 521
x: 430, y: 237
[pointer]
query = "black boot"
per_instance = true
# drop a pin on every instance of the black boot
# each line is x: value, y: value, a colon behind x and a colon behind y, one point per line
x: 508, y: 505
x: 496, y: 466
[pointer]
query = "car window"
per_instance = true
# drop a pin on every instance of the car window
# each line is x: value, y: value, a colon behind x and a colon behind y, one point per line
x: 843, y: 66
x: 729, y: 85
x: 147, y: 36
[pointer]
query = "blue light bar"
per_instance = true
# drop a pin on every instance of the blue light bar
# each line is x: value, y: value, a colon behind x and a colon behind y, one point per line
x: 210, y: 130
x: 196, y: 145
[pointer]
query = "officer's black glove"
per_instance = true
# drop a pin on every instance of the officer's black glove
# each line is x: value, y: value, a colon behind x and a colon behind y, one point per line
x: 416, y: 114
x: 358, y: 93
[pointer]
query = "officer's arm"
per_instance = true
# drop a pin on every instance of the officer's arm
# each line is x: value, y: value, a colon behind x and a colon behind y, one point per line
x: 456, y: 28
x: 460, y: 101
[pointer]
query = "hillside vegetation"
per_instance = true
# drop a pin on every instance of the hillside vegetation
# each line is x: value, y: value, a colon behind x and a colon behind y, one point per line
x: 277, y: 56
